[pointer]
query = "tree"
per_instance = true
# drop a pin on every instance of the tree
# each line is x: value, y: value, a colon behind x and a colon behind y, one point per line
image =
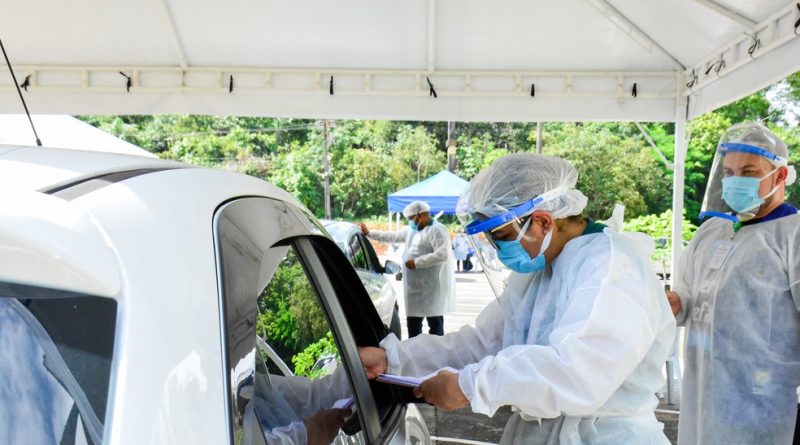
x: 611, y: 169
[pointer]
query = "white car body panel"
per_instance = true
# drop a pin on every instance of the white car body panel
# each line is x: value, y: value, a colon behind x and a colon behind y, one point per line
x: 148, y: 244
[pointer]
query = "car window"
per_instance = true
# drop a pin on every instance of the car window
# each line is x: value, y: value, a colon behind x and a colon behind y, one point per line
x: 55, y: 362
x: 283, y: 360
x: 359, y: 255
x: 294, y: 311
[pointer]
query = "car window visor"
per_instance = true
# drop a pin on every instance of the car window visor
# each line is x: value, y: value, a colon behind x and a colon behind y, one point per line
x: 58, y: 368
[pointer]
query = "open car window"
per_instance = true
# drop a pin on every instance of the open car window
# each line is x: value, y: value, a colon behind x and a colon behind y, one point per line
x: 359, y: 256
x: 55, y: 362
x: 293, y: 311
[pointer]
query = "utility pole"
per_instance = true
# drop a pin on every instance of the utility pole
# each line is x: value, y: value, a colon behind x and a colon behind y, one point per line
x: 326, y: 170
x: 539, y: 137
x: 451, y: 146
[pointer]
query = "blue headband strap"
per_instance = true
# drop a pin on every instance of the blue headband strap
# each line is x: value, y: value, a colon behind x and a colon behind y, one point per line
x: 745, y: 148
x: 478, y: 226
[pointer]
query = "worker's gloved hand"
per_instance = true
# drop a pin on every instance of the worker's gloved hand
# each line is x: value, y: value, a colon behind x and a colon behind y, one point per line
x: 374, y: 360
x: 325, y: 424
x: 674, y: 302
x: 410, y: 264
x: 442, y: 391
x: 363, y: 228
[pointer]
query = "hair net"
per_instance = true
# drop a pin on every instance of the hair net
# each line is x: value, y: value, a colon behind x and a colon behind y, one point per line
x: 757, y: 135
x: 416, y: 208
x: 517, y: 178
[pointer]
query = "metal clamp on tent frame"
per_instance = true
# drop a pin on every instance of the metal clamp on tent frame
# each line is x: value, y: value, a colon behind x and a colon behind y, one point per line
x: 768, y: 35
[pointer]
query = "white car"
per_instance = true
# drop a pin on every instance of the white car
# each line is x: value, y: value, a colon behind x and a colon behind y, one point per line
x: 377, y: 278
x: 147, y: 301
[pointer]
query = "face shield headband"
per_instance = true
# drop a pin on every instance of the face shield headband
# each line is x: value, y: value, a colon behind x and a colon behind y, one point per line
x: 514, y: 215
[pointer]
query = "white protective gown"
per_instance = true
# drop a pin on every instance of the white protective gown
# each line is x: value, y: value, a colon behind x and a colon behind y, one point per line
x: 429, y: 288
x: 460, y: 248
x: 742, y: 347
x: 580, y: 361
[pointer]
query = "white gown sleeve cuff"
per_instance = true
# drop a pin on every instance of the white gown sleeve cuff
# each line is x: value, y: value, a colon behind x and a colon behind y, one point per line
x: 466, y: 380
x: 391, y: 345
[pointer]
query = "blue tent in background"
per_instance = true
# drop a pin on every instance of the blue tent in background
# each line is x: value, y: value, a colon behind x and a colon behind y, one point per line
x: 441, y: 191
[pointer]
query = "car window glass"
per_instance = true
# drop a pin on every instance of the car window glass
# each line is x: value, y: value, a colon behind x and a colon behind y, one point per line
x: 55, y: 365
x: 283, y: 364
x: 359, y: 258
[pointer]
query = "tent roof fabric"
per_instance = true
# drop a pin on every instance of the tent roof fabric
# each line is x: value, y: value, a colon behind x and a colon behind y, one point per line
x: 508, y: 60
x: 58, y: 131
x: 441, y: 191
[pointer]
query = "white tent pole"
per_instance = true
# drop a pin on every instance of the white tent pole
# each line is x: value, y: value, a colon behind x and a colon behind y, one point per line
x: 539, y: 141
x: 733, y: 15
x: 628, y: 27
x: 176, y: 41
x: 390, y: 221
x: 673, y: 362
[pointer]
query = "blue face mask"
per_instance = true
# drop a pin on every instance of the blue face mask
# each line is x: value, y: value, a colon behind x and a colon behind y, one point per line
x: 741, y: 192
x: 516, y: 258
x: 413, y: 224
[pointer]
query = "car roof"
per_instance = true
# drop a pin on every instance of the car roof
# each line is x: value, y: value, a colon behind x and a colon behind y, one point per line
x: 37, y: 168
x: 338, y: 229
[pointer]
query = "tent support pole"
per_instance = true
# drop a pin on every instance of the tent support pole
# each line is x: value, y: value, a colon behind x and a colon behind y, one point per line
x: 673, y: 362
x: 539, y: 137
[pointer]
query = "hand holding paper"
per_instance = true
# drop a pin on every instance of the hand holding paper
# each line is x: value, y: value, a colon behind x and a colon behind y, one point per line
x: 442, y: 391
x: 411, y: 382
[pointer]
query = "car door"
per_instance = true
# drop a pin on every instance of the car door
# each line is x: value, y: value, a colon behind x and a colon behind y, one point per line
x: 282, y: 280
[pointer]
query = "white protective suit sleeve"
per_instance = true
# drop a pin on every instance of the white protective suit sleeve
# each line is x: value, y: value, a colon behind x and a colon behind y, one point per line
x: 604, y: 333
x: 293, y: 434
x: 440, y: 240
x: 424, y: 354
x: 307, y: 397
x: 794, y: 275
x: 397, y: 236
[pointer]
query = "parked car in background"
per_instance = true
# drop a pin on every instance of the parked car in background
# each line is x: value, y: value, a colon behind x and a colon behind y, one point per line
x: 147, y: 301
x: 377, y: 278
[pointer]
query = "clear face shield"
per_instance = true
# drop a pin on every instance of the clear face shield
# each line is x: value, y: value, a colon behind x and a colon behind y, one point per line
x: 743, y: 176
x: 483, y: 233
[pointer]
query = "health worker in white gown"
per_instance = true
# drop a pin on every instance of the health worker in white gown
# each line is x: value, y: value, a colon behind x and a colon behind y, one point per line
x: 576, y: 341
x: 739, y: 297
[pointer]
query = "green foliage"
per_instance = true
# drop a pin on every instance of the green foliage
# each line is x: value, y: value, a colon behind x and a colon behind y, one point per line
x: 289, y: 315
x: 304, y: 361
x: 476, y: 154
x: 612, y: 169
x: 369, y: 159
x: 659, y: 227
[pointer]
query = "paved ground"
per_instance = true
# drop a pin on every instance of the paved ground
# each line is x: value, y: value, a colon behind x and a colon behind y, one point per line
x: 464, y: 424
x: 474, y: 294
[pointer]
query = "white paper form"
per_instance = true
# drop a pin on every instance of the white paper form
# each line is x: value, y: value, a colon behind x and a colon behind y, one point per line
x: 411, y: 382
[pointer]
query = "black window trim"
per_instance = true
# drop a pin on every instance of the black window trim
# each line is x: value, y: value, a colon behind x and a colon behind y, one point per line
x: 331, y: 305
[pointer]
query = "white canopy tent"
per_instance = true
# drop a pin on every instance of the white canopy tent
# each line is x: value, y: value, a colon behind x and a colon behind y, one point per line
x: 504, y: 60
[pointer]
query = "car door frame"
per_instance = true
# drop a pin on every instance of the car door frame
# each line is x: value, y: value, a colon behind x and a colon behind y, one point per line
x: 322, y: 261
